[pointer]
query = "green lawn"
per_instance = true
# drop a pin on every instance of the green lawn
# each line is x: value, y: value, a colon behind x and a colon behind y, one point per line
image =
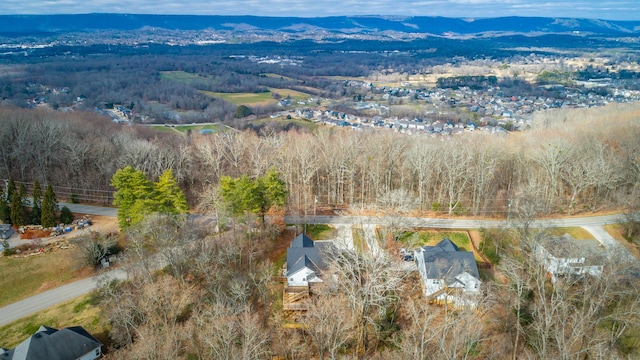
x: 422, y: 238
x: 577, y: 233
x: 24, y: 276
x: 265, y: 98
x: 82, y: 311
x: 278, y: 76
x: 414, y: 239
x: 320, y: 232
x: 248, y: 99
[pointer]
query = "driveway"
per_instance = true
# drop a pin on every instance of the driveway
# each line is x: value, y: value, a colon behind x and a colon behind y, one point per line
x: 614, y: 249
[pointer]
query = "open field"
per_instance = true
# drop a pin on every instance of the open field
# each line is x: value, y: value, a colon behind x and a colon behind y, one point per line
x: 24, y: 274
x: 180, y: 76
x: 31, y: 272
x: 278, y: 76
x: 257, y: 99
x: 82, y: 311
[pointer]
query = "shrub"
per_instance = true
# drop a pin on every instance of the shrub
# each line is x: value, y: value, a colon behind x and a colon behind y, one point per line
x: 66, y: 216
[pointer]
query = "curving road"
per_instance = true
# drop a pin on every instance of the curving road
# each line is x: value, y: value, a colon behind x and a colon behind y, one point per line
x: 46, y: 299
x: 70, y: 291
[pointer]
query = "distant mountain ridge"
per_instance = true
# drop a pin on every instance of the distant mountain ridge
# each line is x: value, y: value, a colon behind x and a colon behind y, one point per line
x: 25, y: 24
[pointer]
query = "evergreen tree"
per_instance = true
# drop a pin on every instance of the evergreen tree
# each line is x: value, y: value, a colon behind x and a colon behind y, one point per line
x: 19, y: 214
x: 36, y: 209
x: 136, y: 196
x: 132, y: 196
x: 66, y: 216
x: 5, y: 212
x: 11, y: 189
x: 49, y: 208
x: 169, y: 199
x: 243, y: 195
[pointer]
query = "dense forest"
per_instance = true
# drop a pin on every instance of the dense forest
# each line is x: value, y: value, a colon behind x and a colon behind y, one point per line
x: 578, y: 161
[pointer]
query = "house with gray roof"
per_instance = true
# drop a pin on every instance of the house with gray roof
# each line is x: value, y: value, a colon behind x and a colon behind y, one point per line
x: 566, y: 256
x: 449, y: 275
x: 304, y: 261
x: 72, y: 343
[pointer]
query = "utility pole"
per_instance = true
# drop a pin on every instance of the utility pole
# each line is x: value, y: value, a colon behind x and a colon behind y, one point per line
x: 315, y: 202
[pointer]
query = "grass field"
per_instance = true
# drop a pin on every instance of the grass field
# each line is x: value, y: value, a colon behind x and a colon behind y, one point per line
x: 180, y: 76
x: 248, y: 99
x: 24, y: 276
x: 257, y: 99
x: 278, y: 76
x: 82, y: 311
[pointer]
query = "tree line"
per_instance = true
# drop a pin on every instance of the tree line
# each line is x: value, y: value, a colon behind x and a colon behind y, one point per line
x: 17, y: 210
x: 584, y: 165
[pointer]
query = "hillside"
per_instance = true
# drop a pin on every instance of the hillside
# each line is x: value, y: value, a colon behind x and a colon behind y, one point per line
x: 39, y: 24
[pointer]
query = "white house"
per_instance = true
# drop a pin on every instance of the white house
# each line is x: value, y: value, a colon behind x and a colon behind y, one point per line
x: 52, y: 344
x: 304, y: 262
x: 448, y: 274
x: 564, y: 255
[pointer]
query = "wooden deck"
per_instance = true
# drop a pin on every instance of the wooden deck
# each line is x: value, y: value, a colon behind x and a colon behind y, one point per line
x: 295, y: 298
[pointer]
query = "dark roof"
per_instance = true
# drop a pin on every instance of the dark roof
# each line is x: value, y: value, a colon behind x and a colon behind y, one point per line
x: 302, y: 240
x: 304, y: 252
x: 51, y: 344
x: 566, y: 247
x: 445, y: 260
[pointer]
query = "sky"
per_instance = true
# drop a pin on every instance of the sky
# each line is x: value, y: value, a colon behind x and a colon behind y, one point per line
x: 593, y: 9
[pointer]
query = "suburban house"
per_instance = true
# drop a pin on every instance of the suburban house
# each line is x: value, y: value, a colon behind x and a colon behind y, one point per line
x: 72, y: 343
x: 304, y: 267
x: 449, y: 274
x: 564, y: 255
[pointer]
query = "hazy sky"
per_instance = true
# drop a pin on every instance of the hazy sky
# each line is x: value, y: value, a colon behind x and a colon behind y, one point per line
x: 600, y: 9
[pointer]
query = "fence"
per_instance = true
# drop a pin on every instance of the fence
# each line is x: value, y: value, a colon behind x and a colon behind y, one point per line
x: 73, y: 194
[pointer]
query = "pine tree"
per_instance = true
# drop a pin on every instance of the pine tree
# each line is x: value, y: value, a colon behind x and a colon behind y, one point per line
x: 66, y: 216
x: 36, y: 209
x: 11, y: 189
x: 132, y: 196
x: 19, y: 215
x: 49, y: 208
x: 5, y: 212
x: 168, y: 198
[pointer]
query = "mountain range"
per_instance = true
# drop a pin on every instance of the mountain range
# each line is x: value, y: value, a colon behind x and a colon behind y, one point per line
x: 439, y: 26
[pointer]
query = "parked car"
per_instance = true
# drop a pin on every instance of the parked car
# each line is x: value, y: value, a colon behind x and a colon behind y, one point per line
x: 5, y: 231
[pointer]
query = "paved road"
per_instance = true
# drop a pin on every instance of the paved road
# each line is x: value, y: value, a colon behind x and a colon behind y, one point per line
x: 51, y: 297
x: 451, y: 223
